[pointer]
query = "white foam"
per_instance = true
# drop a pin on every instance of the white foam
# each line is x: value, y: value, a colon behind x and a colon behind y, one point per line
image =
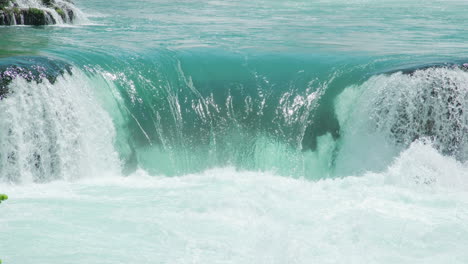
x: 421, y: 164
x: 223, y: 215
x: 58, y: 131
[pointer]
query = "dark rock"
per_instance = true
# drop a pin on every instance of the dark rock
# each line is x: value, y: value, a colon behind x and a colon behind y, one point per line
x: 70, y: 13
x: 34, y: 16
x: 48, y: 3
x: 32, y: 69
x: 412, y: 70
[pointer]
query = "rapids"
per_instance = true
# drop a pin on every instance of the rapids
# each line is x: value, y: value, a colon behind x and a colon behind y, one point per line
x: 236, y: 132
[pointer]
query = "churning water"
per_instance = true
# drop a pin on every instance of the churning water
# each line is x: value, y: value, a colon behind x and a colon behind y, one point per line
x: 236, y: 132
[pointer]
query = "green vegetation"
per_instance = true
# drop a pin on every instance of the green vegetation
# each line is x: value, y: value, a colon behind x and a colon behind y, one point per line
x: 3, y: 197
x: 60, y: 12
x: 32, y: 16
x: 4, y: 3
x: 48, y: 3
x: 36, y: 17
x: 36, y: 12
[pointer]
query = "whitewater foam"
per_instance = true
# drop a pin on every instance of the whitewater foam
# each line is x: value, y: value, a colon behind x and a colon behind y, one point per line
x: 421, y: 164
x: 229, y: 216
x: 55, y: 131
x: 387, y: 113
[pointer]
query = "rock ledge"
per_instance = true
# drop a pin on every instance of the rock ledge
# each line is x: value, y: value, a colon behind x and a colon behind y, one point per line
x: 51, y: 12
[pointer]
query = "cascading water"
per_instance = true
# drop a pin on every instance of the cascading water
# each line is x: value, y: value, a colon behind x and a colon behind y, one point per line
x: 234, y: 132
x: 183, y: 124
x: 385, y: 114
x: 54, y: 131
x: 40, y: 12
x: 173, y: 121
x: 183, y: 119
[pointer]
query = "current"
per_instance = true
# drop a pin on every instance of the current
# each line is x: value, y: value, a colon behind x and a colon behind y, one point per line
x: 157, y: 131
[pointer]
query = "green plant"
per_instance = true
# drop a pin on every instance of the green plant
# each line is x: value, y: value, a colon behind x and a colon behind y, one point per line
x: 48, y: 3
x: 36, y: 17
x: 4, y: 3
x: 36, y: 12
x: 3, y: 197
x: 60, y: 11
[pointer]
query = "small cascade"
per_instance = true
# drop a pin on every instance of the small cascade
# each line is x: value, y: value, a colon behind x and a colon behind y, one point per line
x: 53, y: 128
x: 50, y: 18
x: 42, y: 12
x: 13, y: 19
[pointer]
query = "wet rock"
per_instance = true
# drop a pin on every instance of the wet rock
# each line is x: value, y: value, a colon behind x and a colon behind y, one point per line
x: 11, y: 14
x: 32, y: 69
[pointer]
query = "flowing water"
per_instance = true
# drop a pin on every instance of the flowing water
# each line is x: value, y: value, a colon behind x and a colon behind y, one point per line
x: 236, y: 132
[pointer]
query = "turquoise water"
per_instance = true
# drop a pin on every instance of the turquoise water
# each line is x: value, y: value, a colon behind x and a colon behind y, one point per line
x: 236, y: 132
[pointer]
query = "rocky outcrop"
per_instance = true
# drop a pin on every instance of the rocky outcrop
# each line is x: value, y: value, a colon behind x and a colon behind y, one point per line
x: 51, y: 12
x: 447, y: 65
x: 32, y: 69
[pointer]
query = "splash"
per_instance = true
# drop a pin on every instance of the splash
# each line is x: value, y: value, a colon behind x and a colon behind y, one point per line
x: 54, y: 131
x: 384, y: 115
